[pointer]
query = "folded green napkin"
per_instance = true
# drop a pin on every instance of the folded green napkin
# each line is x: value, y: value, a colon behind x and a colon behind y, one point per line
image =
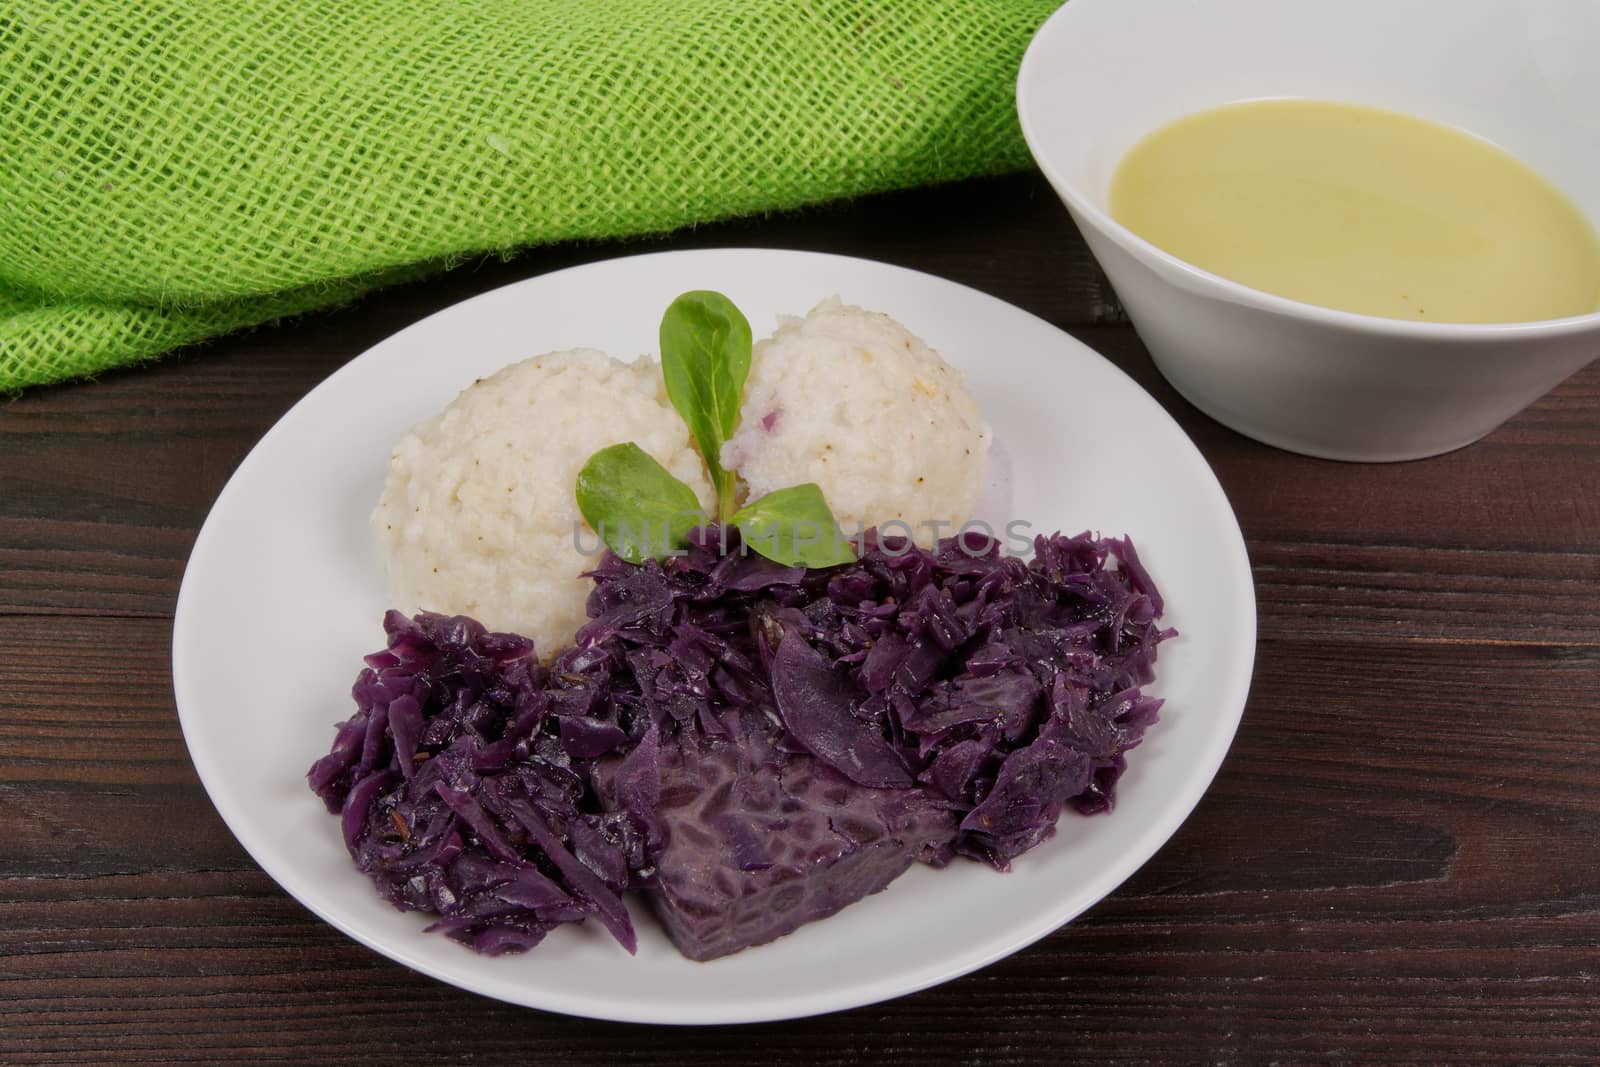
x: 171, y: 169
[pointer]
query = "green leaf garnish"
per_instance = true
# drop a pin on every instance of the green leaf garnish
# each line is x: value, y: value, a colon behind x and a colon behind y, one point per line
x: 642, y: 512
x: 794, y: 527
x: 705, y: 358
x: 635, y: 504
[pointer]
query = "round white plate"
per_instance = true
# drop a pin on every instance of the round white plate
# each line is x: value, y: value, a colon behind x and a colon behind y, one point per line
x: 285, y: 592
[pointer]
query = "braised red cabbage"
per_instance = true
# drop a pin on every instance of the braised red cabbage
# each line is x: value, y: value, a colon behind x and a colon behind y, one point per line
x: 1011, y: 688
x: 757, y: 841
x: 463, y: 788
x: 951, y: 702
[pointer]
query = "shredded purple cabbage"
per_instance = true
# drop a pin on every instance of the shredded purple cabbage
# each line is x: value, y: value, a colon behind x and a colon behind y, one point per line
x: 463, y: 789
x: 1011, y: 688
x: 1001, y: 690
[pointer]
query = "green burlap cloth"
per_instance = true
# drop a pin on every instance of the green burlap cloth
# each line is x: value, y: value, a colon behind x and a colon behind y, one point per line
x: 174, y: 169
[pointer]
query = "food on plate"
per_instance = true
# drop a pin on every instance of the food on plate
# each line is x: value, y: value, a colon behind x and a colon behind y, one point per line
x: 758, y: 721
x: 812, y: 733
x: 755, y: 746
x: 755, y: 841
x: 641, y: 511
x: 457, y: 791
x: 850, y: 400
x: 477, y: 514
x: 1362, y: 210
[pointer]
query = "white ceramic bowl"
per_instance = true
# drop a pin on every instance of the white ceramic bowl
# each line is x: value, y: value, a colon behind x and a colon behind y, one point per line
x: 1101, y: 74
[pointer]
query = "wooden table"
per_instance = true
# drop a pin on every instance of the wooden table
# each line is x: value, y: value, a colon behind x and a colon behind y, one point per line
x: 1399, y: 862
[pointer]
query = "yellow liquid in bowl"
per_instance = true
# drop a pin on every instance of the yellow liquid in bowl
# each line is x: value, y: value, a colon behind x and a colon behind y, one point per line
x: 1361, y: 210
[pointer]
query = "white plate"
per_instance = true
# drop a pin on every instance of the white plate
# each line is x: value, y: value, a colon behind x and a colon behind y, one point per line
x: 284, y: 593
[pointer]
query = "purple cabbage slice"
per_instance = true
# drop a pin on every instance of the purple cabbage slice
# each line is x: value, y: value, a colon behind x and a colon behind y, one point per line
x: 817, y: 706
x: 762, y: 841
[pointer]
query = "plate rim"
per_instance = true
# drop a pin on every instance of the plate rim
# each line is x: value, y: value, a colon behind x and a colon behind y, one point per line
x: 1147, y: 840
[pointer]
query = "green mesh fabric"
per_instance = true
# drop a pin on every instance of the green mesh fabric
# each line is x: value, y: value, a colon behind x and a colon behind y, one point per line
x: 172, y: 170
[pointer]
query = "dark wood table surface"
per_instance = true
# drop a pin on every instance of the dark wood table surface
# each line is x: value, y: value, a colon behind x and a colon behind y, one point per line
x: 1399, y: 861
